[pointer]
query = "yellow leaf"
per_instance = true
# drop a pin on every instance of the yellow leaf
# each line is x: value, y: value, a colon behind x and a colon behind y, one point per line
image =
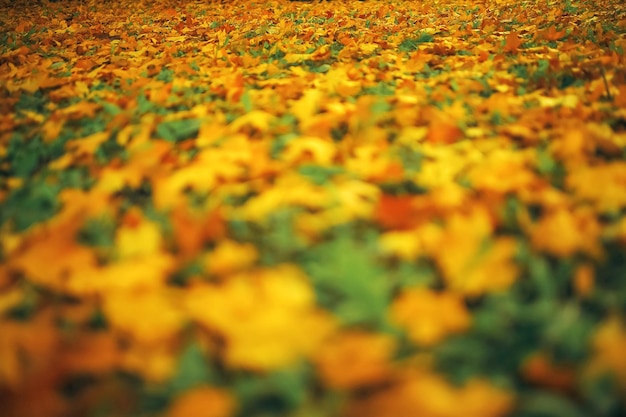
x: 308, y: 105
x: 88, y: 144
x: 405, y: 245
x: 80, y: 110
x: 141, y: 239
x: 501, y: 172
x: 267, y: 317
x: 309, y: 149
x: 291, y: 58
x: 368, y: 48
x: 611, y: 196
x: 258, y: 119
x: 230, y: 256
x: 148, y: 317
x: 136, y: 273
x: 430, y: 316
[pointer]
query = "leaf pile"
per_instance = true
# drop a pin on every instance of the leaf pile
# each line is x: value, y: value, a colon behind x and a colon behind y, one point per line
x: 313, y: 209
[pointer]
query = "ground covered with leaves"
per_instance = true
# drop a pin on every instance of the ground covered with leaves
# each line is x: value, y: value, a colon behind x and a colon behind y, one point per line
x: 372, y: 209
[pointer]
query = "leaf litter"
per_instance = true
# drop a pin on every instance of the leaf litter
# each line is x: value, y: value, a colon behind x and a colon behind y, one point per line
x: 313, y: 209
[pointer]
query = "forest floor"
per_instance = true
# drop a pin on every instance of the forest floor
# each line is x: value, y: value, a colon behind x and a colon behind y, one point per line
x: 372, y: 209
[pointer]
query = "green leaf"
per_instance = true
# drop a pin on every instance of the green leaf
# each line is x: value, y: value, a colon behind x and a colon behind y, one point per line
x: 316, y: 67
x: 569, y: 332
x: 380, y: 107
x: 383, y: 88
x: 144, y: 106
x: 23, y: 164
x: 177, y: 130
x: 406, y: 275
x: 166, y: 75
x: 57, y: 65
x: 349, y: 281
x: 72, y: 177
x: 110, y: 108
x: 109, y: 150
x: 24, y: 155
x: 280, y: 143
x: 188, y: 271
x: 462, y: 358
x: 602, y: 394
x: 98, y: 232
x: 274, y: 394
x: 505, y: 331
x: 425, y: 37
x: 412, y: 44
x: 546, y: 404
x: 545, y: 163
x: 519, y: 70
x: 548, y: 166
x: 543, y: 70
x: 32, y: 102
x: 401, y: 188
x: 33, y: 203
x: 193, y: 370
x: 246, y: 101
x: 541, y: 275
x: 317, y: 174
x: 279, y: 241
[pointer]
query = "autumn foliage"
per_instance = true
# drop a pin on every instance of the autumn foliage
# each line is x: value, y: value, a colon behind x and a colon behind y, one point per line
x: 368, y: 209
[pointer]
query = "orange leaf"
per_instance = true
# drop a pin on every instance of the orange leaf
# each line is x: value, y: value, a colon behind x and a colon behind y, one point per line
x: 170, y: 12
x: 203, y: 402
x: 443, y: 132
x: 394, y: 212
x: 355, y: 358
x: 51, y: 256
x: 540, y: 370
x: 513, y: 42
x: 97, y: 353
x: 620, y: 98
x: 551, y: 34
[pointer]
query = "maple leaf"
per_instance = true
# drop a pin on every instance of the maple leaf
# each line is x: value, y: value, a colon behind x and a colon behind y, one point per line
x: 576, y: 231
x: 552, y: 34
x: 395, y: 212
x: 148, y: 317
x: 512, y: 42
x: 267, y: 316
x: 229, y: 257
x: 429, y: 316
x: 443, y: 132
x: 356, y: 282
x: 138, y: 237
x: 51, y: 254
x: 355, y: 359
